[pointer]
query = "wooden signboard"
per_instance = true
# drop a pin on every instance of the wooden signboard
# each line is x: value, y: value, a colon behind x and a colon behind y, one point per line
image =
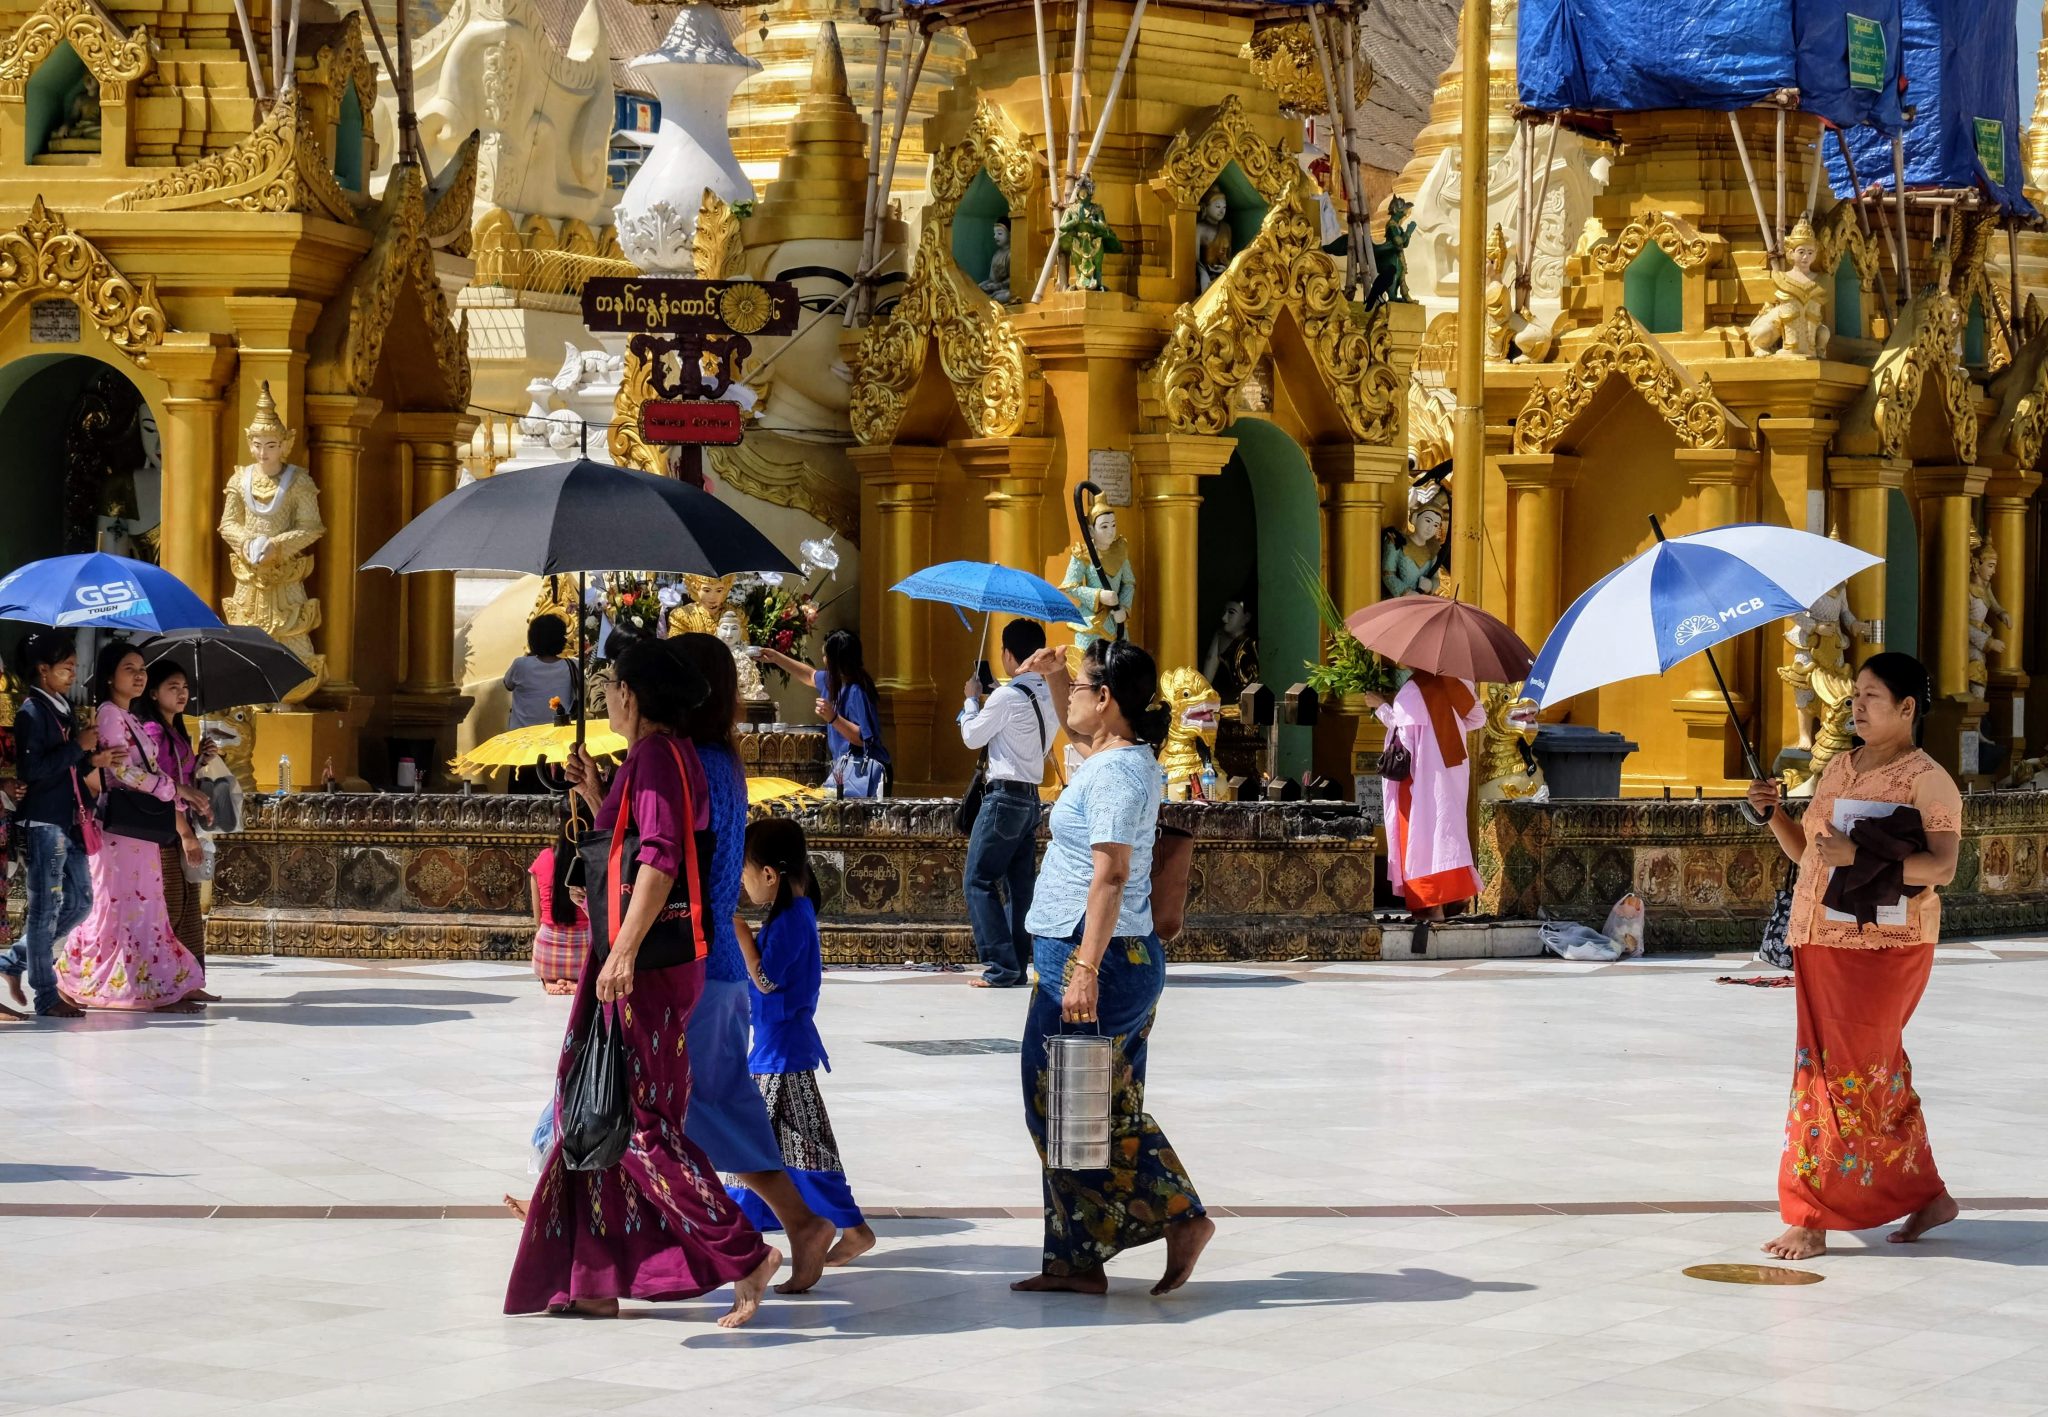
x: 659, y: 305
x: 694, y: 422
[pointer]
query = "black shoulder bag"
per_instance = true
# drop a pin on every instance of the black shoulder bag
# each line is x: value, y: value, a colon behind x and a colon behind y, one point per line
x: 611, y: 862
x: 139, y: 816
x: 977, y: 786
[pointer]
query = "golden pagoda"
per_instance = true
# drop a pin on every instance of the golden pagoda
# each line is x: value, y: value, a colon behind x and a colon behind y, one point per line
x: 187, y: 220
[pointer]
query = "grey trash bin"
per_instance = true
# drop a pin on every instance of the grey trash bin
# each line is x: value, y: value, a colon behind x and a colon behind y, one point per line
x: 1579, y: 761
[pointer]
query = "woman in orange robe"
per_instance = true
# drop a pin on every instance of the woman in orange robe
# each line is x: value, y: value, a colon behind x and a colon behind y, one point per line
x: 1856, y: 1152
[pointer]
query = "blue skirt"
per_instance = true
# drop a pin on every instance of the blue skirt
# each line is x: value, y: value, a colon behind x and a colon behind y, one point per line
x: 727, y: 1117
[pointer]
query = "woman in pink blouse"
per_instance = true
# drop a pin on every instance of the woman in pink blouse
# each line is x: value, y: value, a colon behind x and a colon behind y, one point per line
x: 126, y: 955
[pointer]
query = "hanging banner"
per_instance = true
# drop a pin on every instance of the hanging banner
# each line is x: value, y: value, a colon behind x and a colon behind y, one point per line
x: 1991, y: 149
x: 657, y: 305
x: 693, y: 422
x: 1866, y: 53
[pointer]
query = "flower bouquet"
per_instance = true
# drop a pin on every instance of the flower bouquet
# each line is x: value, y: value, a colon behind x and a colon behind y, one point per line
x: 633, y: 606
x: 779, y: 618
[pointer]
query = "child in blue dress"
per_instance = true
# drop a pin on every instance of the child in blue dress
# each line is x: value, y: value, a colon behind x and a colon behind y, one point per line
x: 788, y: 970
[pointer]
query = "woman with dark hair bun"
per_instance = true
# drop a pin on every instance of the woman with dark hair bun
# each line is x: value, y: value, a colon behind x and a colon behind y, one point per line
x: 1856, y: 1153
x: 656, y: 1224
x: 1100, y: 965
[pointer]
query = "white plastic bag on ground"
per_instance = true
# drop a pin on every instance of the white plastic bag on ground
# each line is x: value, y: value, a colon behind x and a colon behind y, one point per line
x: 1569, y: 940
x: 1625, y: 925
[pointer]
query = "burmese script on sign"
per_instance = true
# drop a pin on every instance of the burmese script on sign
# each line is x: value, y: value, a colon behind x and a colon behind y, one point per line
x: 639, y: 305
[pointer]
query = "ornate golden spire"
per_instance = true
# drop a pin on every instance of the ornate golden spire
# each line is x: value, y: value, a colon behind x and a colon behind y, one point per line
x: 266, y: 422
x: 821, y: 189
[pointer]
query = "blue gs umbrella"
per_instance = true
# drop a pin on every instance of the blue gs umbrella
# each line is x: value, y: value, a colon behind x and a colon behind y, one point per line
x: 1681, y: 598
x: 96, y: 589
x: 981, y: 585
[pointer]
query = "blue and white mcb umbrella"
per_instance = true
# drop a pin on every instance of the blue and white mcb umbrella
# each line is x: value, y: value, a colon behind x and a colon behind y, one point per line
x: 986, y: 586
x: 1682, y: 597
x: 98, y: 589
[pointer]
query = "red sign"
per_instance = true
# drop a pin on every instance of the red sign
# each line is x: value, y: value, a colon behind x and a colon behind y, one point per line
x: 697, y: 421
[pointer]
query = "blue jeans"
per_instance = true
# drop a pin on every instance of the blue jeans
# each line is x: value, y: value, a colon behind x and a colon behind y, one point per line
x: 1003, y: 850
x: 59, y: 897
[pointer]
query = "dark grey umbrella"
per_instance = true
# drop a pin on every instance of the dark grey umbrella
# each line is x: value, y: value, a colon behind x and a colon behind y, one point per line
x: 229, y: 666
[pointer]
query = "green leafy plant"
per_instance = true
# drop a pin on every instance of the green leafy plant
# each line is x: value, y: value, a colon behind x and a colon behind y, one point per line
x: 1348, y: 667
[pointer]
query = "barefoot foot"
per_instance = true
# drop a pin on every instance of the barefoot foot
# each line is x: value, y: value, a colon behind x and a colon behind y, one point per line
x: 515, y: 1205
x: 1095, y: 1283
x: 14, y: 991
x: 1939, y: 1211
x: 1799, y: 1242
x: 587, y: 1309
x: 808, y: 1243
x: 746, y: 1294
x: 1185, y: 1241
x: 201, y: 996
x: 852, y: 1244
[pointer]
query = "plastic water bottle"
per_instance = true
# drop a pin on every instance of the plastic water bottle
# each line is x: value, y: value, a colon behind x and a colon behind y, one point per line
x: 1209, y: 782
x: 284, y: 773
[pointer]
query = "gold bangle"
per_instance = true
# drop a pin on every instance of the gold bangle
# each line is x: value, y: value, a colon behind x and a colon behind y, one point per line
x: 1088, y: 965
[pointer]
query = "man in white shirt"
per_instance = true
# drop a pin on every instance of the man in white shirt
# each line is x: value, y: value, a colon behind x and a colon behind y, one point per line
x: 1013, y: 728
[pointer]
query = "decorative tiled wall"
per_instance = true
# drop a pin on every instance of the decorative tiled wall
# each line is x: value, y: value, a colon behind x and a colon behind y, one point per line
x: 1708, y: 877
x: 445, y: 877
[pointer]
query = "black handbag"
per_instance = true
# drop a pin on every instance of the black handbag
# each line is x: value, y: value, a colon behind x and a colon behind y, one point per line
x: 977, y: 786
x: 611, y: 861
x: 597, y: 1114
x: 1776, y: 949
x: 1395, y: 763
x: 139, y: 816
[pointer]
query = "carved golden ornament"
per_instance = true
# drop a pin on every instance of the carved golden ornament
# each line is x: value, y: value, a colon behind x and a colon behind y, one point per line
x: 2024, y: 421
x: 1839, y: 234
x: 717, y: 247
x: 1673, y: 235
x: 1926, y: 343
x: 44, y: 254
x: 345, y: 63
x: 349, y: 340
x: 451, y: 201
x: 112, y: 56
x: 805, y: 483
x: 744, y: 308
x: 1194, y: 161
x: 1971, y: 281
x: 1283, y: 58
x: 995, y: 380
x: 1623, y: 349
x: 624, y: 442
x: 1218, y: 338
x: 1431, y: 427
x: 280, y: 167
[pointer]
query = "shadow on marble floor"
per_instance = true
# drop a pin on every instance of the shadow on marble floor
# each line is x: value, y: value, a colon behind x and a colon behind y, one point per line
x: 29, y: 1173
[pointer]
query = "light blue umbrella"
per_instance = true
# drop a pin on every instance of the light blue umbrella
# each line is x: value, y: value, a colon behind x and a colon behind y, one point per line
x: 985, y: 586
x: 1681, y: 598
x: 98, y: 589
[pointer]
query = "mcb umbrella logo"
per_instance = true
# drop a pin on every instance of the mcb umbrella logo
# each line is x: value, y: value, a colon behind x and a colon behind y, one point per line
x: 113, y: 599
x: 1693, y: 626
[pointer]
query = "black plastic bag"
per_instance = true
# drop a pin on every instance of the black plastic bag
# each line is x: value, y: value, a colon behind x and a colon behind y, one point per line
x: 597, y: 1115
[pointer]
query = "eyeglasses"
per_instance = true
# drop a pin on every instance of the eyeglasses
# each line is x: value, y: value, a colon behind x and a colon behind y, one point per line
x: 1091, y: 685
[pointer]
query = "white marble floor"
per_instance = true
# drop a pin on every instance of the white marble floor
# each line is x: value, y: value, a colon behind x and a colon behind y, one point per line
x: 285, y: 1207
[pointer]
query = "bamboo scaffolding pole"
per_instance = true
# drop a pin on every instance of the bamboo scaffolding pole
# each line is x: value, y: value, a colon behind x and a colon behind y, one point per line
x: 1863, y: 217
x: 2012, y: 258
x: 1347, y: 96
x: 1525, y: 258
x: 277, y: 51
x: 1052, y: 186
x: 249, y: 48
x: 1756, y: 194
x: 1339, y: 164
x: 1905, y: 244
x: 884, y: 24
x: 291, y: 51
x: 871, y: 254
x: 1116, y: 85
x: 1076, y: 72
x: 1778, y: 230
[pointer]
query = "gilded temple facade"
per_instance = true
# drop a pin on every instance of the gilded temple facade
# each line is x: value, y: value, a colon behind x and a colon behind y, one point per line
x: 1246, y: 433
x: 182, y: 228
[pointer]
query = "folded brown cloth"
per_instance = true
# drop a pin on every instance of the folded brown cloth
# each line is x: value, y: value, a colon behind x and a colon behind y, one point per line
x: 1877, y: 877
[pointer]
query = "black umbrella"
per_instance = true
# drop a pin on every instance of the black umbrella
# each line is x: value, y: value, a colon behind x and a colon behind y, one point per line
x: 229, y: 666
x: 580, y: 516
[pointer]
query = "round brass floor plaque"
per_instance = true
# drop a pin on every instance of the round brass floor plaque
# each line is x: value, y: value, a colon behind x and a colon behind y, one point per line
x: 1753, y: 1274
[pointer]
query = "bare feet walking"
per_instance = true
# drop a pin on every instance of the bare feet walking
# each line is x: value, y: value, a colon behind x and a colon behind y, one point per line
x: 1939, y: 1211
x: 1185, y: 1241
x: 746, y: 1293
x: 808, y: 1242
x: 850, y: 1246
x: 1799, y: 1242
x: 1095, y: 1282
x: 516, y: 1206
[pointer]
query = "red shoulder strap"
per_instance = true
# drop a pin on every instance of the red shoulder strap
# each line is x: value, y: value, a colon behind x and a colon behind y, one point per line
x: 616, y: 858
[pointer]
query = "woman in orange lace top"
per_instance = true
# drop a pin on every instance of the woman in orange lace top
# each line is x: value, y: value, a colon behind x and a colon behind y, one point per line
x: 1856, y: 1152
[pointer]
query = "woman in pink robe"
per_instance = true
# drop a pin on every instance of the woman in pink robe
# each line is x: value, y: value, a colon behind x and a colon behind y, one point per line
x: 1429, y: 842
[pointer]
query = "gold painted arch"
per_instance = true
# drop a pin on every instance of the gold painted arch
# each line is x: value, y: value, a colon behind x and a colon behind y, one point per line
x: 1673, y: 235
x: 1623, y: 349
x: 1193, y: 162
x: 44, y: 256
x: 112, y: 55
x: 1925, y: 344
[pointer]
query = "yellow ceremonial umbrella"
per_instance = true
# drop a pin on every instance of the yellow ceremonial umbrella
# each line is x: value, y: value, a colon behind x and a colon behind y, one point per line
x: 550, y: 742
x: 777, y: 789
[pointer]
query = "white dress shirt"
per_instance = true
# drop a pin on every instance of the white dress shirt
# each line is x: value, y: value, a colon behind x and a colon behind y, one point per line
x: 1010, y: 731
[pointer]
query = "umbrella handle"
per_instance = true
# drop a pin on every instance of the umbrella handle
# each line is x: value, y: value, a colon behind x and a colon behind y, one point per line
x: 1749, y: 757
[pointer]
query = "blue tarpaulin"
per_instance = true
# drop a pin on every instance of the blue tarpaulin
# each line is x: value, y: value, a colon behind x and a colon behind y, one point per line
x: 1634, y: 55
x: 1962, y: 78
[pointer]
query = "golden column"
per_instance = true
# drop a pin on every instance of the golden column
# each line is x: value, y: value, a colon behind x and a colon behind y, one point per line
x: 1169, y: 468
x: 1720, y: 479
x: 334, y: 448
x: 1536, y: 483
x: 1796, y: 449
x: 196, y: 368
x: 1468, y: 449
x: 1863, y: 488
x: 902, y: 480
x: 432, y: 440
x: 1015, y: 471
x: 272, y: 333
x: 1363, y: 488
x: 2007, y: 499
x: 1947, y: 497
